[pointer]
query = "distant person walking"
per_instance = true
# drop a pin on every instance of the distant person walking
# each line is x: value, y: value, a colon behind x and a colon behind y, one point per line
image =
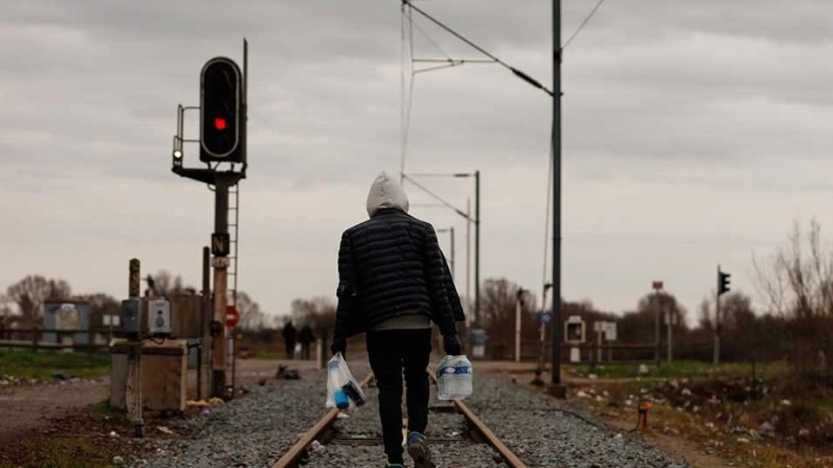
x: 289, y: 335
x: 306, y: 337
x: 393, y: 283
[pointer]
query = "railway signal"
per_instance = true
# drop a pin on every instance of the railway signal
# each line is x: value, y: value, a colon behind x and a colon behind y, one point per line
x: 222, y: 116
x: 722, y: 282
x: 722, y: 287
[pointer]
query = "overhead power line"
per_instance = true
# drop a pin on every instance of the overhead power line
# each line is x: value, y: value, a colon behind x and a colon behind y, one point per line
x: 583, y: 23
x: 520, y: 74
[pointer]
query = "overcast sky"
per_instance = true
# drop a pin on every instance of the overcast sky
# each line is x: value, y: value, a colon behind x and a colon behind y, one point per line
x: 694, y: 134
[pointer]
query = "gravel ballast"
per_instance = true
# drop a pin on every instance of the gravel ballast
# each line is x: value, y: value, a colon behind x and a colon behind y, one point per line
x: 365, y: 423
x: 255, y: 431
x: 531, y: 425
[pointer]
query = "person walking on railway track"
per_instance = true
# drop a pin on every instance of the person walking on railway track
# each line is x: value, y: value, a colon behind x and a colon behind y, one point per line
x: 289, y: 335
x: 393, y: 284
x: 306, y: 337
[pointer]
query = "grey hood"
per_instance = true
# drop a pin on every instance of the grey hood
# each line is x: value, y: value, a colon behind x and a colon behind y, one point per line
x: 386, y: 193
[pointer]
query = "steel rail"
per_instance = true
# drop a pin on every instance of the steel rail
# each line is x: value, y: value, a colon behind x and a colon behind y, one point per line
x: 293, y: 456
x: 508, y: 456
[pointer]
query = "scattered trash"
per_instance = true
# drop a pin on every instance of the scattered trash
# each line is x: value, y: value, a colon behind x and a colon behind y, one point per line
x: 165, y: 430
x: 316, y: 446
x: 206, y: 411
x: 786, y: 402
x: 285, y: 373
x: 113, y: 434
x: 686, y: 392
x: 755, y: 435
x: 593, y: 376
x: 743, y: 440
x: 738, y: 430
x: 804, y: 433
x: 118, y: 461
x: 767, y: 429
x: 643, y: 369
x: 618, y: 436
x: 203, y: 404
x: 582, y: 394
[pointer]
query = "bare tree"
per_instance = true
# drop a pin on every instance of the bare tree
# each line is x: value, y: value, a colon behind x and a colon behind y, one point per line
x: 165, y: 284
x: 318, y: 311
x: 251, y: 317
x: 797, y: 282
x: 100, y: 304
x: 6, y: 311
x: 31, y: 292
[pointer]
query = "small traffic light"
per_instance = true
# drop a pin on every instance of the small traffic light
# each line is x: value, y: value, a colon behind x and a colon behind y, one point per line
x: 722, y: 282
x: 222, y: 112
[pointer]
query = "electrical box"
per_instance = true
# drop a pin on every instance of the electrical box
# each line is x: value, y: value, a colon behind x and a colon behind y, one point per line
x: 159, y: 317
x: 574, y: 332
x: 130, y: 316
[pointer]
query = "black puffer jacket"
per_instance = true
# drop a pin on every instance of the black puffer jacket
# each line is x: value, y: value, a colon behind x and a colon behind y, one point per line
x: 391, y: 265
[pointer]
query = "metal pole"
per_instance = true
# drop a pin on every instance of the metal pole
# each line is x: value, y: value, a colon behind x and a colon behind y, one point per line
x: 656, y: 331
x: 221, y: 189
x: 518, y: 327
x: 669, y: 318
x: 452, y: 252
x: 477, y: 248
x: 556, y: 185
x: 133, y: 393
x: 716, y: 358
x: 204, y: 374
x: 468, y: 260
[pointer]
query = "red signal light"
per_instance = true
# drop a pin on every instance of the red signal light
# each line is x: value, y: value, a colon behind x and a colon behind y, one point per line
x: 220, y: 123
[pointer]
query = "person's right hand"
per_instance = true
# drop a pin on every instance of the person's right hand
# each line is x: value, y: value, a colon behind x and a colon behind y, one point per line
x: 339, y: 346
x: 451, y: 345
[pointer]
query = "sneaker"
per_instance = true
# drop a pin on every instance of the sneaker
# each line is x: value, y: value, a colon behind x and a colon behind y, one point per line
x: 418, y: 450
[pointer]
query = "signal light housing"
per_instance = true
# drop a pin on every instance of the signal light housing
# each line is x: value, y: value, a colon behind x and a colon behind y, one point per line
x: 222, y: 112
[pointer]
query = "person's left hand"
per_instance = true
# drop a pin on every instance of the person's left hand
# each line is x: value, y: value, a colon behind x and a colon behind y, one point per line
x: 451, y: 345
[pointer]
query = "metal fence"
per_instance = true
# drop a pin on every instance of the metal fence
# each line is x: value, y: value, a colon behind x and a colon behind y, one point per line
x: 92, y: 340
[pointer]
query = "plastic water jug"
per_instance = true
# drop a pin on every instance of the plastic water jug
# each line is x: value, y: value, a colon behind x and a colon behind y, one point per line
x: 454, y: 378
x: 340, y: 397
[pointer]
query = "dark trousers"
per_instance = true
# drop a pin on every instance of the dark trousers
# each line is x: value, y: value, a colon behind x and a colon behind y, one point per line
x: 305, y: 351
x: 290, y: 349
x: 391, y: 352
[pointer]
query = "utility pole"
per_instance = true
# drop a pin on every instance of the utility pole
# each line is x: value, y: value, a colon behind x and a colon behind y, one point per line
x: 557, y: 389
x: 670, y: 321
x: 519, y: 303
x: 477, y: 248
x: 204, y: 375
x: 453, y: 275
x: 468, y: 260
x: 657, y: 285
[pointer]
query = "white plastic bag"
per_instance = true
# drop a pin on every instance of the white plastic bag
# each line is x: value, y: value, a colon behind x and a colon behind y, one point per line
x: 454, y: 378
x: 343, y: 391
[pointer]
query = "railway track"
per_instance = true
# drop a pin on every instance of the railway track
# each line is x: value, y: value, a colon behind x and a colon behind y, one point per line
x: 461, y: 434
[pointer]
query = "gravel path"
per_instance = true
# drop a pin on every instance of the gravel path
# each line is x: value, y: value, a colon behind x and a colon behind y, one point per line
x: 530, y: 424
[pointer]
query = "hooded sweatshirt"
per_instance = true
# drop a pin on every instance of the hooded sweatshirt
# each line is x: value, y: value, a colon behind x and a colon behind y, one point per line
x: 387, y: 193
